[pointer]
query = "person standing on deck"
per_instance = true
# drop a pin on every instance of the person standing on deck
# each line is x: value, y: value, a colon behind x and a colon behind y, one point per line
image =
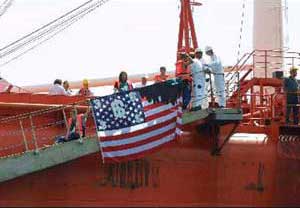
x: 162, y: 76
x: 217, y: 69
x: 199, y: 56
x: 198, y: 76
x: 123, y: 84
x: 291, y: 88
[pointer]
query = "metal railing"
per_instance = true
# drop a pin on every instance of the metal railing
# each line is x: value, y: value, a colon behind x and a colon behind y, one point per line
x: 30, y: 132
x: 265, y: 60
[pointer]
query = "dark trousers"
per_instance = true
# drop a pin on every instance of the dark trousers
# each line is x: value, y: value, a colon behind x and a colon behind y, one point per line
x: 295, y: 114
x: 186, y: 95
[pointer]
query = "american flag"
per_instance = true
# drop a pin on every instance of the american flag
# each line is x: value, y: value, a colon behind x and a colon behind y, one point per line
x: 129, y: 128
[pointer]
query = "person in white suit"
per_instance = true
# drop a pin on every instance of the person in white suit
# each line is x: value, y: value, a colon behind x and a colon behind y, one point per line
x: 218, y: 71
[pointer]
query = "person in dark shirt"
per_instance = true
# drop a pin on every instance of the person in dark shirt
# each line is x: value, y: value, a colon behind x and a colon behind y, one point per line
x: 291, y: 88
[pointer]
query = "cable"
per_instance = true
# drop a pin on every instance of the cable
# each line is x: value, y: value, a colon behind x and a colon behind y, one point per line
x: 48, y: 31
x: 4, y: 6
x: 43, y: 41
x: 50, y: 28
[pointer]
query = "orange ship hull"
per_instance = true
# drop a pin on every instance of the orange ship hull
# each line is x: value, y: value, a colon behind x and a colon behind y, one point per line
x: 182, y: 174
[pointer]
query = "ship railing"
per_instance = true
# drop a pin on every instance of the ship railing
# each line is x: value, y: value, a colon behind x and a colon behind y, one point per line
x: 266, y: 60
x: 272, y: 60
x: 261, y: 110
x: 31, y: 132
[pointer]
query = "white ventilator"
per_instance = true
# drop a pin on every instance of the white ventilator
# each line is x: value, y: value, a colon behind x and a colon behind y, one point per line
x: 219, y: 82
x: 198, y: 83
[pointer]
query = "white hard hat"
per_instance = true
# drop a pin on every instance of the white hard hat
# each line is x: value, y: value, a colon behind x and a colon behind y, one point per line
x: 208, y: 48
x: 198, y: 50
x: 145, y: 76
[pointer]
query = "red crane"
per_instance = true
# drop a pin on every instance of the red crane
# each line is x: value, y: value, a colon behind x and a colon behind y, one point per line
x: 187, y: 40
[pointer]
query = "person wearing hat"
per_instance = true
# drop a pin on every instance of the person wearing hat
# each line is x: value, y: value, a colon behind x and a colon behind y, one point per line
x: 143, y: 83
x: 291, y: 88
x: 218, y: 71
x: 85, y: 91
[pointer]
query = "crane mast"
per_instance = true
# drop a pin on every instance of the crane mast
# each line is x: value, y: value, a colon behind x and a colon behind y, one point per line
x: 187, y: 39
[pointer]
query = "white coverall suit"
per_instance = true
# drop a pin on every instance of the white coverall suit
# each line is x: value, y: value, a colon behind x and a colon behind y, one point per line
x: 218, y: 71
x: 198, y: 83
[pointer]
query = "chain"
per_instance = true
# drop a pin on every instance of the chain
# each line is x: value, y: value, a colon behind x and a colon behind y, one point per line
x: 241, y: 29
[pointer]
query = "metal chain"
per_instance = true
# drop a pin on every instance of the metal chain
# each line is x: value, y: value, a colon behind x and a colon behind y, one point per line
x: 241, y: 29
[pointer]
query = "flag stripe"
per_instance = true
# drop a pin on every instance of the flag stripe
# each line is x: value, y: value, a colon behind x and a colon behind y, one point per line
x: 160, y: 114
x: 109, y: 141
x: 136, y: 127
x: 158, y: 109
x: 142, y: 140
x: 138, y: 155
x: 139, y: 149
x: 133, y: 140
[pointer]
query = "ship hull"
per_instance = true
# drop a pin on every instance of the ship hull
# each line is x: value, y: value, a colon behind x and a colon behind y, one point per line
x: 184, y: 173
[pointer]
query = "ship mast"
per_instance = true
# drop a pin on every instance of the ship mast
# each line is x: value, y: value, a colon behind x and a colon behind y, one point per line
x: 187, y: 40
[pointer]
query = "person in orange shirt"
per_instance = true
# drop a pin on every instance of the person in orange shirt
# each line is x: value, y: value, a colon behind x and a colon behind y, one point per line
x: 162, y: 76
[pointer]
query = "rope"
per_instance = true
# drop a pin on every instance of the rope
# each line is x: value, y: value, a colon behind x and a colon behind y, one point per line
x: 241, y: 29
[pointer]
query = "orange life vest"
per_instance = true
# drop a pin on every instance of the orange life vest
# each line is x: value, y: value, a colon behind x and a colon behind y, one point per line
x: 182, y: 71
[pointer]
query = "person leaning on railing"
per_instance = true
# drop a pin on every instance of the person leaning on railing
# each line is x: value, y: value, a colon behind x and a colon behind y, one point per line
x: 291, y: 88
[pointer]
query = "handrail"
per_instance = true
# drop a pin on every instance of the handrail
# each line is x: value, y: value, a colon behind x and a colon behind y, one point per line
x: 245, y: 75
x: 42, y: 111
x: 236, y: 65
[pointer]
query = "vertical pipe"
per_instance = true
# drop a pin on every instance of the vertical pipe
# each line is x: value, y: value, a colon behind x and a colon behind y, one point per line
x: 239, y: 89
x: 180, y: 34
x: 191, y: 23
x: 267, y: 31
x: 266, y: 63
x: 186, y: 27
x: 24, y: 136
x: 252, y: 101
x: 34, y: 135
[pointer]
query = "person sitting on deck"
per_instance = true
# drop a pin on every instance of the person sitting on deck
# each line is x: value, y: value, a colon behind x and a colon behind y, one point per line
x: 122, y: 84
x: 291, y: 88
x: 76, y: 125
x: 162, y: 76
x: 66, y: 86
x: 56, y: 88
x: 85, y: 91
